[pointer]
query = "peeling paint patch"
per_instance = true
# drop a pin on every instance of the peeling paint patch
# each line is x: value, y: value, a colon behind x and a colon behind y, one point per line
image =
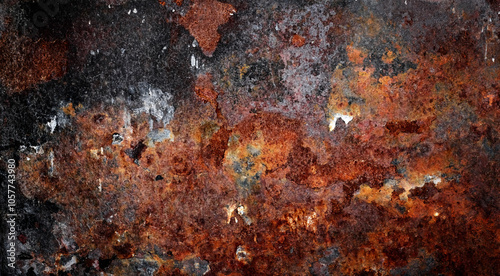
x: 336, y: 116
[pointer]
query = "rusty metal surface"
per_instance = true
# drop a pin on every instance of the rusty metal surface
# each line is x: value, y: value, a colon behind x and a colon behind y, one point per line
x: 211, y: 137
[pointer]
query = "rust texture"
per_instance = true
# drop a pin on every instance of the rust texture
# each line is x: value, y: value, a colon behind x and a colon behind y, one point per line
x: 255, y: 138
x: 203, y: 20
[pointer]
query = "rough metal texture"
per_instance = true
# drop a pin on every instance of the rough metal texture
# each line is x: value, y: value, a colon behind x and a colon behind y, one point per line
x: 212, y: 137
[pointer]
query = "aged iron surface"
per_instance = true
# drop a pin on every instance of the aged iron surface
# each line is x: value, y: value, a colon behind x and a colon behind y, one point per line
x: 209, y: 137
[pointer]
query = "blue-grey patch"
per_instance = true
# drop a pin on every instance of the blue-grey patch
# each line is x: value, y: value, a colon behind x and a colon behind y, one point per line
x: 421, y: 266
x: 158, y: 136
x: 331, y: 254
x: 145, y: 267
x: 195, y: 266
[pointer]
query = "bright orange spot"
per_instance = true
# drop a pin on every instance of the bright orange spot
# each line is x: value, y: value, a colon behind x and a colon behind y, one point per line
x: 388, y: 57
x: 69, y: 110
x: 298, y: 40
x: 355, y: 55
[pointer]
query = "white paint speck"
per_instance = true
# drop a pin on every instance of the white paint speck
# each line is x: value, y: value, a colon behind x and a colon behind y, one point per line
x: 51, y: 159
x: 135, y: 10
x: 89, y: 22
x: 493, y: 59
x: 433, y: 178
x: 344, y: 117
x: 157, y: 104
x: 38, y: 149
x: 52, y: 124
x: 193, y: 61
x: 229, y: 211
x: 129, y: 11
x: 436, y: 214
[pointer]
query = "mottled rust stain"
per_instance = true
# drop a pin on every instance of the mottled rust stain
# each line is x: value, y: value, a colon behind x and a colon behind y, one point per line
x: 249, y: 177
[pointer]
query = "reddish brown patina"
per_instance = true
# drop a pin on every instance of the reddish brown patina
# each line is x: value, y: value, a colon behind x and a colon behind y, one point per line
x: 356, y: 160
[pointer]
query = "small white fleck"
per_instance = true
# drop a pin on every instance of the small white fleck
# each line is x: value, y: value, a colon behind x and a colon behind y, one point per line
x: 92, y: 52
x: 52, y: 124
x: 129, y: 11
x: 27, y: 158
x: 89, y: 22
x: 144, y: 20
x: 38, y: 149
x: 493, y: 59
x: 135, y: 10
x: 231, y: 13
x: 345, y: 118
x: 173, y: 10
x: 406, y: 3
x: 435, y: 179
x: 436, y: 214
x: 193, y: 61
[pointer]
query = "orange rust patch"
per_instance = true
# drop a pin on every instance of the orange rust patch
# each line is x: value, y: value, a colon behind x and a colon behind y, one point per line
x: 69, y: 110
x: 355, y: 55
x: 298, y: 40
x: 202, y: 21
x: 205, y: 90
x: 388, y: 57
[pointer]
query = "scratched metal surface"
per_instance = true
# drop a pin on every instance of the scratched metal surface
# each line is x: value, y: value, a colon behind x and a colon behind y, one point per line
x: 212, y: 137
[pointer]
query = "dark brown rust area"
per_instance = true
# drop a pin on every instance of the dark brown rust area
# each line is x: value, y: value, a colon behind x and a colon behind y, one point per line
x: 396, y: 127
x: 136, y: 152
